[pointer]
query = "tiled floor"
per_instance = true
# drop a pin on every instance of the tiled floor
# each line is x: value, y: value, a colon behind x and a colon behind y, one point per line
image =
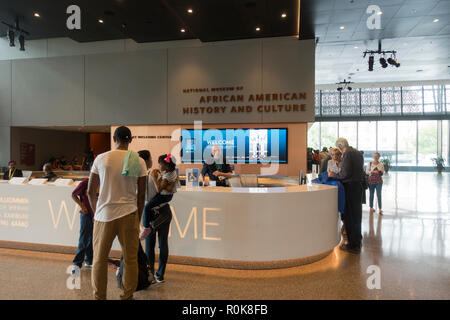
x: 410, y: 243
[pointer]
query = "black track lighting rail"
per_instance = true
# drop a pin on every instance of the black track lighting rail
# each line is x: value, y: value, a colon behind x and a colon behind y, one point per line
x: 16, y: 27
x: 379, y: 51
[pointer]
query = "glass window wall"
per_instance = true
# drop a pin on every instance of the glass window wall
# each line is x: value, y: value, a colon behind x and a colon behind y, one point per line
x: 407, y: 143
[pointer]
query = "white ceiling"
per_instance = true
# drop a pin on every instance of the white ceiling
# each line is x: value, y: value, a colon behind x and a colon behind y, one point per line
x: 406, y: 26
x: 336, y: 61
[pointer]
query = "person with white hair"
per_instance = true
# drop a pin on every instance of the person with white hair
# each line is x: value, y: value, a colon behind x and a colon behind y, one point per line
x: 351, y: 174
x: 216, y: 168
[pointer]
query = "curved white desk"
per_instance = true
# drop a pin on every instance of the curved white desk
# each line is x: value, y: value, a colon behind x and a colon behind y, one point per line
x: 247, y: 228
x: 254, y: 228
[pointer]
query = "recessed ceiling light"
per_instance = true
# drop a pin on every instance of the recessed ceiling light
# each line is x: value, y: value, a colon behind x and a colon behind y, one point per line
x: 283, y: 15
x: 37, y: 15
x: 356, y: 47
x: 380, y: 13
x: 341, y: 27
x: 436, y: 20
x: 100, y: 21
x: 183, y: 30
x: 190, y: 10
x: 258, y: 29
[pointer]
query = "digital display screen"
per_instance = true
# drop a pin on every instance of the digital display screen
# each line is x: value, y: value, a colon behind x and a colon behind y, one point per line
x: 237, y: 145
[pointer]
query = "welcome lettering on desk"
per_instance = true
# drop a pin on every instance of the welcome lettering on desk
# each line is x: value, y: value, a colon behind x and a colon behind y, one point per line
x: 193, y: 217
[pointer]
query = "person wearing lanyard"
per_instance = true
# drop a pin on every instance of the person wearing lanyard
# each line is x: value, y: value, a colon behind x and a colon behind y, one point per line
x: 12, y: 172
x: 216, y: 168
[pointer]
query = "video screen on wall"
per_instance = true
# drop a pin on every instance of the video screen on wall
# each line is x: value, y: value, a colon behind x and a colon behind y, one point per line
x: 237, y: 145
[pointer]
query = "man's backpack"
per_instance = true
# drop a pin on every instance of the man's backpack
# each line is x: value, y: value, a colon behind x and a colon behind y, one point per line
x: 143, y: 276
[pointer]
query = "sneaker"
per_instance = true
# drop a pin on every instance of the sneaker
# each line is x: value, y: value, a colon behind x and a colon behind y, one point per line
x: 144, y: 233
x: 88, y: 265
x: 158, y: 279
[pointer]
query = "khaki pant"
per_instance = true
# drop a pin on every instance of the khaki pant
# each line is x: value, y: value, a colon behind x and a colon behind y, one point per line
x: 127, y: 230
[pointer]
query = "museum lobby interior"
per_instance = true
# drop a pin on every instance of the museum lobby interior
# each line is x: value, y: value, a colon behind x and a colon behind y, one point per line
x: 374, y: 72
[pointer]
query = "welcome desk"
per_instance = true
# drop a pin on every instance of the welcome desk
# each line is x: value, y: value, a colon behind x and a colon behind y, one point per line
x: 244, y: 228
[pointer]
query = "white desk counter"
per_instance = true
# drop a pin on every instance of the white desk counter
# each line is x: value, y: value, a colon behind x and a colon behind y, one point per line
x: 249, y: 228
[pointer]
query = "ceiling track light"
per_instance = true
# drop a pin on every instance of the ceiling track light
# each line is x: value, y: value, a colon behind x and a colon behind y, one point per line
x: 11, y: 34
x: 344, y: 85
x: 22, y: 42
x: 392, y: 60
x: 371, y: 61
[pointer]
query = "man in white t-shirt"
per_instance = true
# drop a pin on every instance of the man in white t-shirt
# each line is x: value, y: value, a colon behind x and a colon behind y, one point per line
x: 118, y: 211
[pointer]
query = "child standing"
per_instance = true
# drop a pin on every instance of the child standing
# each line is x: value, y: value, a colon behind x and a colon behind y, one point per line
x: 165, y: 181
x: 84, y: 251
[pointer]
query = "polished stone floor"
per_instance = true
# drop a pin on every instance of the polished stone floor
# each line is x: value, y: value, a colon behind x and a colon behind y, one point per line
x: 410, y: 244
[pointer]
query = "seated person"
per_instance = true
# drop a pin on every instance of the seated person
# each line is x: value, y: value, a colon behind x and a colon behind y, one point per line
x: 55, y: 163
x: 88, y: 159
x: 216, y: 168
x: 48, y: 173
x: 13, y: 171
x: 76, y: 163
x: 65, y: 165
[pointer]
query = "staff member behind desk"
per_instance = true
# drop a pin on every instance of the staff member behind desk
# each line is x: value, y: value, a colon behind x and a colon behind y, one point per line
x: 216, y: 168
x: 49, y: 174
x: 12, y: 172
